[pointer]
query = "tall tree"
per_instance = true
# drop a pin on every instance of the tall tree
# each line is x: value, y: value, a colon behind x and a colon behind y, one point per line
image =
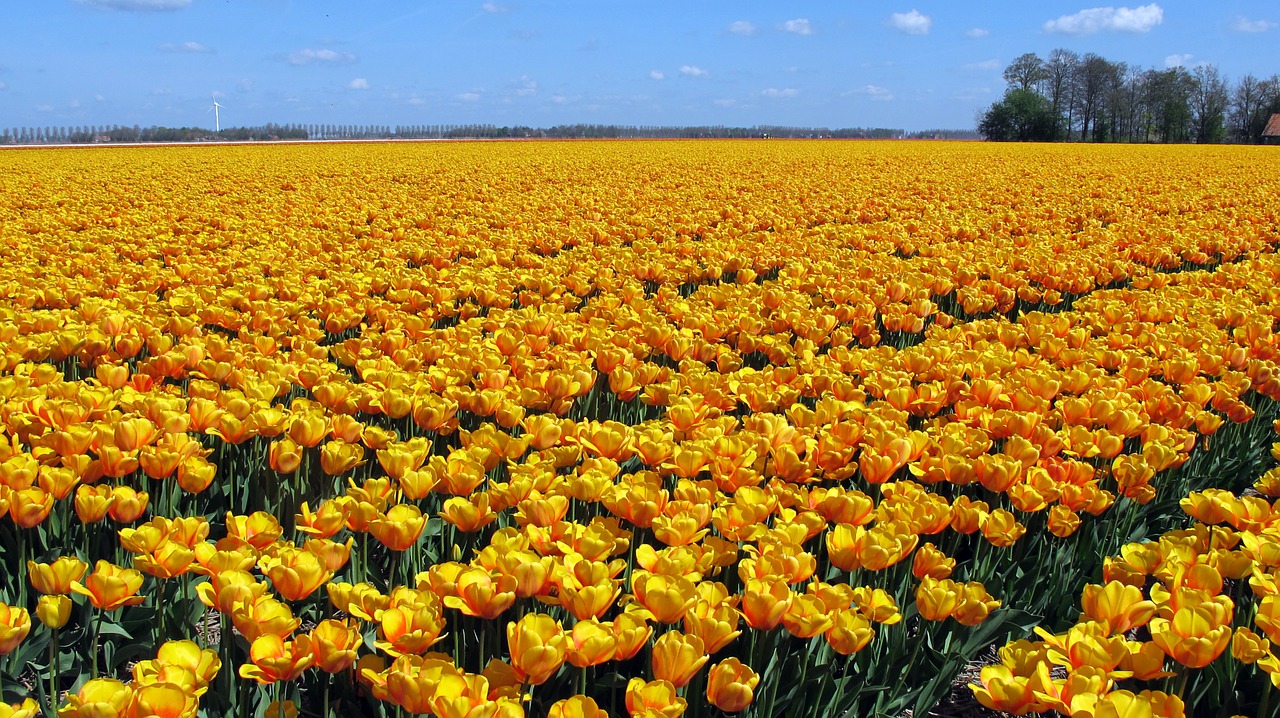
x: 1058, y: 73
x: 1025, y: 72
x: 1208, y: 103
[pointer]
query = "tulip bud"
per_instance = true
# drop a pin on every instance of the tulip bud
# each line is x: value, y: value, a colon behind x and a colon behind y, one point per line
x: 53, y: 611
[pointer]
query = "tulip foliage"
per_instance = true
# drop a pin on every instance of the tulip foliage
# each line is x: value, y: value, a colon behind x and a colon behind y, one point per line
x: 638, y: 429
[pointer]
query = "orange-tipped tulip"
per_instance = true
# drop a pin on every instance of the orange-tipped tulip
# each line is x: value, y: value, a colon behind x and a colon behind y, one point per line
x: 15, y: 624
x: 678, y: 657
x: 274, y: 659
x: 110, y: 587
x: 731, y: 685
x: 538, y: 647
x: 56, y: 578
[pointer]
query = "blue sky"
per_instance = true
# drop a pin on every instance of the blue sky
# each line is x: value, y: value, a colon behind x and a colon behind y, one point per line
x: 912, y: 64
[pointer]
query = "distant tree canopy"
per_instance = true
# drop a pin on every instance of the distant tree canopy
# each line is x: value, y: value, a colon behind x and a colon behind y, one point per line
x: 1073, y: 97
x: 1023, y: 115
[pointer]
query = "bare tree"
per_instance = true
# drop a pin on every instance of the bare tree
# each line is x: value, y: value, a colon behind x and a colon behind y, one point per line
x: 1058, y: 73
x: 1246, y: 101
x: 1208, y: 103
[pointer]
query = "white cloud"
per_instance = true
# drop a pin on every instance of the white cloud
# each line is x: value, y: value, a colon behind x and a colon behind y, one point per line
x: 96, y: 98
x: 469, y: 96
x: 325, y: 56
x: 1244, y: 24
x: 784, y: 92
x: 3, y: 86
x: 977, y: 32
x: 1177, y: 60
x: 984, y: 65
x: 657, y: 75
x: 416, y: 101
x: 526, y: 87
x: 136, y: 5
x: 358, y: 84
x: 44, y: 108
x: 1118, y: 19
x: 694, y: 71
x: 494, y: 8
x: 800, y: 26
x: 912, y: 23
x: 877, y: 93
x: 189, y: 46
x: 725, y: 102
x: 561, y: 99
x: 742, y: 27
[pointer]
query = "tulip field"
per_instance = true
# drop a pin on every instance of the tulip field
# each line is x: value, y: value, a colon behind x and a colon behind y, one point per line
x: 754, y: 428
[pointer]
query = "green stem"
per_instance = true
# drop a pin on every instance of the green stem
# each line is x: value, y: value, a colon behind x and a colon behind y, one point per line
x: 53, y: 672
x: 97, y: 633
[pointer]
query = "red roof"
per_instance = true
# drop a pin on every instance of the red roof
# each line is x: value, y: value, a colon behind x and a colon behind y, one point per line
x: 1273, y: 127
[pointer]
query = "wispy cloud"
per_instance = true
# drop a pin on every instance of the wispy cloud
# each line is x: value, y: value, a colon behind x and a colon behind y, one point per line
x: 657, y: 75
x: 2, y: 85
x: 694, y: 71
x: 494, y: 8
x: 875, y: 92
x: 1117, y: 19
x: 744, y: 28
x: 1177, y: 60
x: 136, y: 5
x: 799, y: 26
x: 985, y: 65
x: 783, y: 92
x: 1244, y: 24
x: 323, y: 56
x: 977, y: 32
x: 469, y: 96
x: 188, y: 47
x: 526, y: 87
x: 358, y: 84
x: 912, y: 23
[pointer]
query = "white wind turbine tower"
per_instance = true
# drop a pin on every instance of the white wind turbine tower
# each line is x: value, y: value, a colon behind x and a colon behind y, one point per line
x: 217, y: 124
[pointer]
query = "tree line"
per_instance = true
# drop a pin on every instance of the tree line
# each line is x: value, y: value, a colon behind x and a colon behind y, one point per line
x: 89, y: 134
x: 1068, y: 97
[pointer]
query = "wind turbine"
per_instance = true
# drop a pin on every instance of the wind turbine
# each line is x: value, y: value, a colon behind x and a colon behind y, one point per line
x: 217, y: 124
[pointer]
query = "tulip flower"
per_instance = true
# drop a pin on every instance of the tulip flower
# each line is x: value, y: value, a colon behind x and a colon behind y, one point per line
x: 275, y: 660
x: 99, y: 698
x: 54, y: 611
x: 295, y: 574
x: 576, y: 707
x: 677, y: 657
x: 1121, y: 607
x: 1193, y: 638
x: 731, y: 685
x: 110, y: 587
x: 129, y: 505
x: 335, y: 644
x: 482, y: 594
x: 538, y: 647
x: 409, y: 630
x: 399, y: 528
x: 93, y: 502
x: 56, y: 578
x: 656, y: 697
x: 591, y: 643
x: 15, y: 624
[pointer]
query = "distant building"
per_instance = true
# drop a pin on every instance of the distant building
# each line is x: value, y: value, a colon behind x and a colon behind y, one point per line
x: 1271, y: 135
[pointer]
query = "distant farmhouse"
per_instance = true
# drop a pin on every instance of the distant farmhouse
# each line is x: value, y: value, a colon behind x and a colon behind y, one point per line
x: 1271, y: 135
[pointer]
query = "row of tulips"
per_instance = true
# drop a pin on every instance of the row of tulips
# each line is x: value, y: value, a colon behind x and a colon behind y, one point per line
x: 1183, y: 625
